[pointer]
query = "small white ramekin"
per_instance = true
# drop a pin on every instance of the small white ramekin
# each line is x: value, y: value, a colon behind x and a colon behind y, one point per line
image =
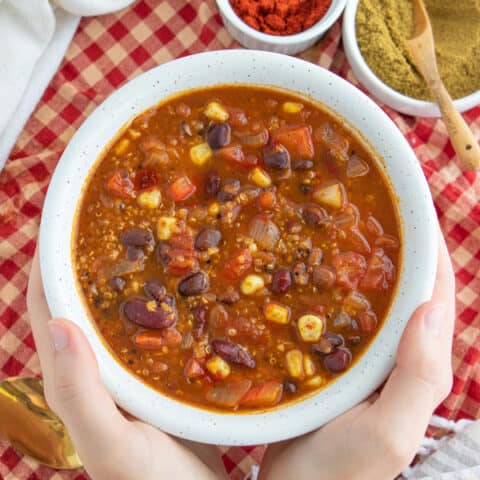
x: 380, y: 90
x: 289, y: 44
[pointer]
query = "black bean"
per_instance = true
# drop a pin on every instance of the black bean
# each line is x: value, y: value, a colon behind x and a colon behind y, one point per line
x: 230, y: 188
x: 335, y: 339
x: 218, y: 135
x: 134, y: 253
x: 313, y: 215
x: 199, y: 321
x: 305, y: 188
x: 290, y: 387
x: 193, y: 284
x: 212, y: 183
x: 302, y: 164
x: 338, y: 361
x: 232, y: 352
x: 276, y: 157
x: 117, y: 284
x: 136, y: 237
x: 208, y: 238
x: 323, y: 276
x: 229, y: 296
x: 281, y: 280
x: 155, y: 290
x: 140, y: 312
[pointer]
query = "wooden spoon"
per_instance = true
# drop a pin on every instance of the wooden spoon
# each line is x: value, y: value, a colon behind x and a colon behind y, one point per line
x: 31, y: 427
x: 422, y: 48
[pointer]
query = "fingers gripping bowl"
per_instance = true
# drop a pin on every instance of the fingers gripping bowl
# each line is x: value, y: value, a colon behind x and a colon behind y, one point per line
x: 415, y: 270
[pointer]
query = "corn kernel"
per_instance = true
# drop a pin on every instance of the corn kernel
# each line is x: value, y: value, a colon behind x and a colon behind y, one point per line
x: 166, y: 227
x: 315, y: 381
x: 251, y: 284
x: 151, y: 305
x: 151, y: 199
x: 200, y: 154
x: 292, y: 107
x: 122, y: 146
x: 260, y: 177
x: 308, y: 365
x: 218, y: 367
x: 310, y: 327
x: 294, y: 360
x: 276, y: 313
x: 214, y: 111
x: 214, y: 209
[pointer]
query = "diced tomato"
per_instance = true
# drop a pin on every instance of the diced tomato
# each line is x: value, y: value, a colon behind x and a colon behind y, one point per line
x: 266, y: 395
x: 234, y: 155
x: 120, y: 184
x: 368, y: 321
x: 350, y: 268
x: 182, y: 241
x: 181, y: 189
x: 145, y: 179
x: 193, y: 369
x: 267, y: 200
x: 181, y: 263
x: 238, y: 264
x: 228, y: 394
x: 296, y: 138
x: 380, y: 271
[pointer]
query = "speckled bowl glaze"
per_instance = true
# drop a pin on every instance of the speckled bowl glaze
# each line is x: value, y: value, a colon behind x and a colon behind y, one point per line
x: 386, y: 94
x: 254, y: 67
x: 289, y: 44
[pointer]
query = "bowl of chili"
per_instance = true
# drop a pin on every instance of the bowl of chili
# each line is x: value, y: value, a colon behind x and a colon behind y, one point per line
x: 282, y: 26
x: 255, y: 284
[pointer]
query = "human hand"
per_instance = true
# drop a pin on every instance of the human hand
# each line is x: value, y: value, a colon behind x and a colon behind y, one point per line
x: 379, y: 438
x: 109, y: 445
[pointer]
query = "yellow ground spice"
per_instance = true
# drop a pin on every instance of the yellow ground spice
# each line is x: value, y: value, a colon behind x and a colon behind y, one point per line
x: 383, y: 26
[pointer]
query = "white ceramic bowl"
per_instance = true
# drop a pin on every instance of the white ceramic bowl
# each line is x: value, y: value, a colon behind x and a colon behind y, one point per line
x: 380, y: 90
x: 248, y: 67
x: 289, y: 44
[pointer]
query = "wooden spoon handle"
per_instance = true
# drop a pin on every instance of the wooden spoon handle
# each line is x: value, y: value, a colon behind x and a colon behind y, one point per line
x: 461, y: 136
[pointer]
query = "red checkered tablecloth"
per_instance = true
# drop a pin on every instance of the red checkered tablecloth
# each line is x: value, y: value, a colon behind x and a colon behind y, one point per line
x: 106, y: 52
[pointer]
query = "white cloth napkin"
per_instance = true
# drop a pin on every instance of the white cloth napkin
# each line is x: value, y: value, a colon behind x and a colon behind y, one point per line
x: 34, y: 35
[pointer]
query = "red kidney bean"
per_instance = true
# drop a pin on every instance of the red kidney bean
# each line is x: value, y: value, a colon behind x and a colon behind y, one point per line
x: 218, y: 135
x: 162, y: 316
x: 155, y: 290
x: 338, y: 361
x: 193, y: 284
x: 212, y: 183
x: 208, y: 238
x: 313, y: 215
x: 229, y: 296
x: 323, y: 276
x: 300, y: 274
x: 281, y: 280
x: 290, y: 387
x: 134, y: 253
x: 302, y: 164
x: 276, y: 156
x: 233, y: 352
x: 136, y: 237
x: 117, y: 284
x: 199, y: 321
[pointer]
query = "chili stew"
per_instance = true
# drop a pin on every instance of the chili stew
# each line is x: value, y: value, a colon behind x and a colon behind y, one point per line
x: 237, y: 247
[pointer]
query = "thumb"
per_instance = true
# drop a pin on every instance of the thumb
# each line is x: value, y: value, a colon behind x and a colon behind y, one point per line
x: 73, y: 389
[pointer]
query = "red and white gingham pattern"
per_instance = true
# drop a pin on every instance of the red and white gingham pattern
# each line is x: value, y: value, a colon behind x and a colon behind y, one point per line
x: 106, y: 52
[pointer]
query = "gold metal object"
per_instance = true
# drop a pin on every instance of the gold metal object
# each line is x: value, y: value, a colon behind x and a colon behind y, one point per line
x: 27, y: 422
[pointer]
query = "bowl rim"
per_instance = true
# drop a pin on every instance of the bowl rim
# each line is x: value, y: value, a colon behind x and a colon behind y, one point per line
x: 389, y: 96
x: 135, y: 96
x: 330, y: 17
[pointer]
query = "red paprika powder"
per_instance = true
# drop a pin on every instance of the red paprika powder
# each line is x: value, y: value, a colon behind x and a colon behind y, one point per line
x: 280, y: 17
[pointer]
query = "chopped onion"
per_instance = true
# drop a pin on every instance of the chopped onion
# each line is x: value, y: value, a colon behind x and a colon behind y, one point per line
x: 356, y: 167
x: 264, y: 232
x: 253, y: 139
